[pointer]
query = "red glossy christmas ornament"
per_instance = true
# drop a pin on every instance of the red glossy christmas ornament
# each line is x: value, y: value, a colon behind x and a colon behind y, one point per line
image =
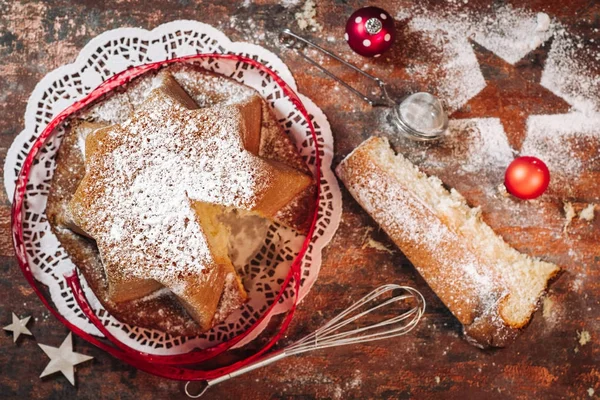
x: 527, y: 178
x: 370, y: 31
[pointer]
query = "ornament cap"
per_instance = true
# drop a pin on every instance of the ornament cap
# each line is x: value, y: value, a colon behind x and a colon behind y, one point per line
x: 373, y: 26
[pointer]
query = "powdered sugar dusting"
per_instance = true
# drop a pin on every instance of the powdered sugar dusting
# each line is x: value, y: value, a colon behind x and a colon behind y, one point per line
x: 488, y: 145
x: 569, y: 71
x: 142, y: 182
x: 567, y: 76
x: 115, y: 109
x: 207, y: 89
x: 563, y: 141
x: 479, y: 144
x: 511, y: 34
x: 457, y: 74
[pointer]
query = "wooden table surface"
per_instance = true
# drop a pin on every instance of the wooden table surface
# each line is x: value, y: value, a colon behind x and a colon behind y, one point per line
x: 558, y: 356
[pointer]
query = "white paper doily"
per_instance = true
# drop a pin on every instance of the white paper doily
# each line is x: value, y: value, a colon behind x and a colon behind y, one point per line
x: 108, y: 54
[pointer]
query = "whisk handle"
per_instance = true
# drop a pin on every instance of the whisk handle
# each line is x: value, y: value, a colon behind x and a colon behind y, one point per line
x: 251, y: 367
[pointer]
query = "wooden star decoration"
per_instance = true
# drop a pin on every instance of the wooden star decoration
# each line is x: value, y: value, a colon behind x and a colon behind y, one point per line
x: 18, y: 327
x: 513, y: 92
x: 63, y: 359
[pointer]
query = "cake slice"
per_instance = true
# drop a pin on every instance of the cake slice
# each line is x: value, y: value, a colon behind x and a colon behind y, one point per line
x: 491, y: 288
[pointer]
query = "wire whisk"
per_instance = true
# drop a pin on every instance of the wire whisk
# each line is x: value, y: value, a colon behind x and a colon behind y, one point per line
x: 353, y: 325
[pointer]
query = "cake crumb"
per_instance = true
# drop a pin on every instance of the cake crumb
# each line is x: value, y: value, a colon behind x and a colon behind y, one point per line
x: 587, y: 213
x: 591, y: 392
x: 437, y: 380
x: 356, y: 381
x: 374, y: 244
x: 543, y: 22
x: 306, y: 17
x: 584, y: 337
x: 369, y: 242
x: 547, y: 308
x: 569, y: 215
x: 338, y: 392
x: 551, y: 311
x: 502, y: 190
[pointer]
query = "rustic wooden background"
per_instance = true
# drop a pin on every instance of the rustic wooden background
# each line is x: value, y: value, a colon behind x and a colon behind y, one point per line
x: 552, y: 359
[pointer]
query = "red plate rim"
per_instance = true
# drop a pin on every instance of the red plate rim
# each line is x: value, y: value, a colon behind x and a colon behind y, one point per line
x: 168, y: 366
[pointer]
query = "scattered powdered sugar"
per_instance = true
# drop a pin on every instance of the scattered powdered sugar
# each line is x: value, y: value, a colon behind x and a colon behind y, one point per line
x: 562, y: 141
x: 567, y: 76
x: 587, y: 214
x: 289, y: 3
x: 570, y: 71
x: 115, y: 109
x: 511, y: 34
x: 507, y: 32
x: 306, y: 18
x: 215, y: 89
x: 457, y: 76
x: 491, y: 146
x: 470, y: 146
x: 552, y: 311
x: 486, y: 142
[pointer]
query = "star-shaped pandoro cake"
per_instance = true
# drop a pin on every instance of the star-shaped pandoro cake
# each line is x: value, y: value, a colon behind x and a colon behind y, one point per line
x: 155, y: 186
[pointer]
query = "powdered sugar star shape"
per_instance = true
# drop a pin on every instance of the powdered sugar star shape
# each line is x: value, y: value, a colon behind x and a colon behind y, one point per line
x: 513, y: 92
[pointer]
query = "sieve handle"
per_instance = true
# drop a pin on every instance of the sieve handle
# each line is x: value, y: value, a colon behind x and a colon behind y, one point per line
x: 251, y: 367
x: 294, y: 41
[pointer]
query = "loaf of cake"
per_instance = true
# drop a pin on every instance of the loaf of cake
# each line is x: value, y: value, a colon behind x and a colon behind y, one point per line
x: 491, y: 288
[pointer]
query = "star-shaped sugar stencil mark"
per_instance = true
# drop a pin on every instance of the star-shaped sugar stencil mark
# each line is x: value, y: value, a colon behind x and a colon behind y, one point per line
x: 63, y: 359
x: 513, y: 92
x: 18, y: 327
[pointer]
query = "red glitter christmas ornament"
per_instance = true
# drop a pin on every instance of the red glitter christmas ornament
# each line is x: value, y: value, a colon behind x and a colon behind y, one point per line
x: 370, y: 31
x: 527, y: 178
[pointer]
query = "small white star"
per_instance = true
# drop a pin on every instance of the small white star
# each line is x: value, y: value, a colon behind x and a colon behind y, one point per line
x: 63, y: 359
x: 18, y: 327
